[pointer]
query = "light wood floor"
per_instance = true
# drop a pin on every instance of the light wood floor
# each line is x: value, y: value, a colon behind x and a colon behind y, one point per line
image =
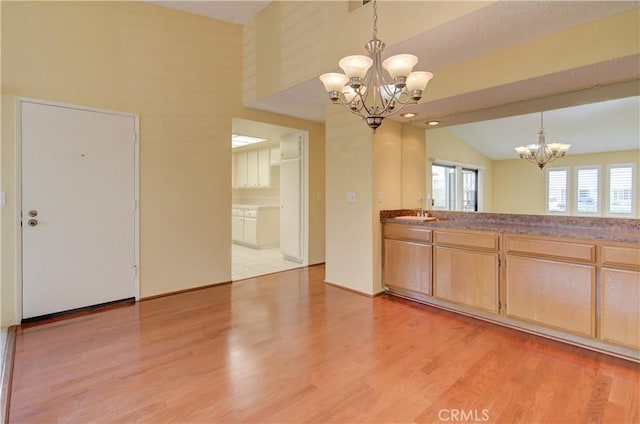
x: 287, y: 348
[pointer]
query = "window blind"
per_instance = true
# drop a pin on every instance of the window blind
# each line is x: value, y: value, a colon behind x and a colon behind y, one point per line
x: 557, y: 179
x: 587, y: 184
x: 621, y: 196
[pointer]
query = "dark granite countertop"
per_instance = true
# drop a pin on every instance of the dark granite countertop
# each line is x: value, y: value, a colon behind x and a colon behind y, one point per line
x: 609, y: 229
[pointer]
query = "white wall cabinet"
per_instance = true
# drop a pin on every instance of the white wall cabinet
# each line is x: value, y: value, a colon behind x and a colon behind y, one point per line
x: 256, y: 227
x: 252, y: 169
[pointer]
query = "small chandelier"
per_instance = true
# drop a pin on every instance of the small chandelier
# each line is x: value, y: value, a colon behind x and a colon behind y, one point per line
x: 363, y: 88
x: 542, y: 153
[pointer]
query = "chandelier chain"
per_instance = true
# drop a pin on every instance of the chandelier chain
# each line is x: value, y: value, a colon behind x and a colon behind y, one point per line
x: 375, y: 20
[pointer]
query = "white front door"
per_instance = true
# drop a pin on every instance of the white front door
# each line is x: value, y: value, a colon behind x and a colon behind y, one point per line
x: 78, y: 207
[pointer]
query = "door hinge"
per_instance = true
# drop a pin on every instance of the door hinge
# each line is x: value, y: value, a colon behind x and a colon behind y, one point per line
x: 135, y: 204
x: 135, y: 137
x: 135, y: 270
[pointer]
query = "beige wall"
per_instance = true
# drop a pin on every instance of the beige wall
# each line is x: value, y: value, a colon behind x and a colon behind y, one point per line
x: 174, y: 69
x: 387, y: 155
x: 520, y: 185
x: 348, y: 232
x: 278, y: 56
x: 278, y: 39
x: 442, y: 144
x: 414, y: 167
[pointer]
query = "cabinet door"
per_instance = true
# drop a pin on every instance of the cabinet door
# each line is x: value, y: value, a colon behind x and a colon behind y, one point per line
x: 275, y: 156
x: 552, y: 293
x: 407, y: 266
x: 241, y: 169
x: 264, y: 168
x: 237, y: 232
x: 252, y: 168
x: 251, y: 230
x: 620, y: 305
x: 466, y: 277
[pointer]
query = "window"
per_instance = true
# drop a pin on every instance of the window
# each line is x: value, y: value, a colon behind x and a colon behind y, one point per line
x: 469, y: 190
x: 587, y: 186
x: 454, y: 187
x: 443, y: 187
x: 621, y: 189
x: 557, y: 188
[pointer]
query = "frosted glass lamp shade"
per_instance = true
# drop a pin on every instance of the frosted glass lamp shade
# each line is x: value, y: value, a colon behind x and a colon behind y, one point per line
x: 418, y: 80
x: 333, y: 81
x: 388, y: 92
x: 355, y: 66
x: 522, y: 151
x: 350, y: 94
x: 400, y: 65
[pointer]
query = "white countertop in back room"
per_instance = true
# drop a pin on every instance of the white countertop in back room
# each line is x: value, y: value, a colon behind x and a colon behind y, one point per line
x: 246, y: 206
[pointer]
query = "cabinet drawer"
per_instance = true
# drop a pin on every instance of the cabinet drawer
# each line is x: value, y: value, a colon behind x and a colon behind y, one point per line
x: 485, y: 241
x: 407, y: 232
x: 552, y: 248
x: 251, y: 213
x: 237, y: 212
x: 621, y: 256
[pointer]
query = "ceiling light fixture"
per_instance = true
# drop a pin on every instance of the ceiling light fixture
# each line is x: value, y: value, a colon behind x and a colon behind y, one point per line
x: 408, y: 115
x: 433, y: 123
x: 365, y: 91
x: 244, y: 140
x: 542, y: 153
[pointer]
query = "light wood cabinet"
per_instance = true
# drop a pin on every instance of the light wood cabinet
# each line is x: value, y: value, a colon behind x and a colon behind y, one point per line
x: 407, y: 265
x: 466, y: 277
x: 620, y: 316
x: 551, y: 293
x: 466, y: 268
x: 407, y: 258
x: 580, y: 290
x: 551, y: 282
x: 620, y: 295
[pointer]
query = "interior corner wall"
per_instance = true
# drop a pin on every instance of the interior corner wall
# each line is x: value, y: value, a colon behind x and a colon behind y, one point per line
x: 349, y: 242
x: 164, y: 65
x: 387, y: 145
x: 414, y: 167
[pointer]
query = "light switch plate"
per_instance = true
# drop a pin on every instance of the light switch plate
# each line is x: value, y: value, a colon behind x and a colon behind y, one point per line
x: 351, y: 196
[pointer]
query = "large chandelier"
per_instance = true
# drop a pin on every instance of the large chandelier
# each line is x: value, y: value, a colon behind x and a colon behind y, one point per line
x: 542, y: 153
x: 363, y: 88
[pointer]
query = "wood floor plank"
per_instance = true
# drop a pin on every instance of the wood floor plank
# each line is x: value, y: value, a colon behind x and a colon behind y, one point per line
x: 287, y: 348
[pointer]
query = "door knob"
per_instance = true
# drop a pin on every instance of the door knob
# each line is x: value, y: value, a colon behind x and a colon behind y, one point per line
x: 32, y: 213
x: 32, y: 222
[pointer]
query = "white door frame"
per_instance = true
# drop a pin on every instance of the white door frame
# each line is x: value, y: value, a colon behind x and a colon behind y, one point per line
x: 18, y: 189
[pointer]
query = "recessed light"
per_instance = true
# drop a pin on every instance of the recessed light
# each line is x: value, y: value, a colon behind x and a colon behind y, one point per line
x: 408, y: 115
x: 433, y: 123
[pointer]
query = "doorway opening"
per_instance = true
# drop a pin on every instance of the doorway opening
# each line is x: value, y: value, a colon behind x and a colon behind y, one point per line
x: 269, y: 191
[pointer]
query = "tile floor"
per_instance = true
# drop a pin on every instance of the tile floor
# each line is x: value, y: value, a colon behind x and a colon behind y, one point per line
x: 247, y: 262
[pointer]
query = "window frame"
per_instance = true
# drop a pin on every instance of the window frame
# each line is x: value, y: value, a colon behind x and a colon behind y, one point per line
x: 634, y: 183
x: 567, y: 190
x: 458, y: 188
x: 599, y: 191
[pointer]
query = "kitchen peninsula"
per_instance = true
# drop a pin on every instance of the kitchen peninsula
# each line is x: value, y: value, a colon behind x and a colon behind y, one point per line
x: 574, y: 279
